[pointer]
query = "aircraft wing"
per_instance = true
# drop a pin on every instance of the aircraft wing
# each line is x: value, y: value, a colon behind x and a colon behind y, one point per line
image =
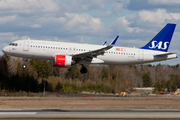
x: 95, y: 53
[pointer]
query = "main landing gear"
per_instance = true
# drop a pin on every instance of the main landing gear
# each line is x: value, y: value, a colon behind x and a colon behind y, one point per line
x: 83, y: 69
x: 25, y: 62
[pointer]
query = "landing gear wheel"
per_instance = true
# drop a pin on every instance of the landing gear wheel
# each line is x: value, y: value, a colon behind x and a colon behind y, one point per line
x: 83, y: 70
x: 24, y: 66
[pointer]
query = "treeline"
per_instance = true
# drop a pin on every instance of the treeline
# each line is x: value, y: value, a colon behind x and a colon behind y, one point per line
x: 108, y: 79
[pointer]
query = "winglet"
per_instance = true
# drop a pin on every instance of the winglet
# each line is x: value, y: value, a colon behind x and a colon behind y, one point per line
x: 114, y: 41
x: 104, y: 43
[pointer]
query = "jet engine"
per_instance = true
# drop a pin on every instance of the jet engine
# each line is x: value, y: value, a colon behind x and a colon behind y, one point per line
x: 63, y: 61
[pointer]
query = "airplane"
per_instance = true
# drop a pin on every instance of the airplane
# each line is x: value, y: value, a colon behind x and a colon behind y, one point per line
x: 66, y: 54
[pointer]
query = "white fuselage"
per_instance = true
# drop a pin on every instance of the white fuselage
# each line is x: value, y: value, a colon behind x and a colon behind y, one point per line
x: 37, y: 49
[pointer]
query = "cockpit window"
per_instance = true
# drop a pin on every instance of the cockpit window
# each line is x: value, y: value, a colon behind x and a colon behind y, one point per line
x: 13, y: 44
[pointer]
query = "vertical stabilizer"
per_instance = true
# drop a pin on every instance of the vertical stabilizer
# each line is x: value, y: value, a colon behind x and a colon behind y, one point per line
x: 162, y: 40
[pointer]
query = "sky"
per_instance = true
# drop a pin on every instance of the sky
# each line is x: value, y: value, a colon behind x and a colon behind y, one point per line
x: 89, y: 21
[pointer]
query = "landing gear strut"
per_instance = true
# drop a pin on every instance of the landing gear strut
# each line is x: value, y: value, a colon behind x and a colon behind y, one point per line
x: 25, y: 62
x: 83, y: 69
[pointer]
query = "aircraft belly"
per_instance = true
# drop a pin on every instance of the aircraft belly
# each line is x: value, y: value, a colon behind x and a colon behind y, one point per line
x: 42, y: 56
x: 118, y: 60
x: 126, y: 59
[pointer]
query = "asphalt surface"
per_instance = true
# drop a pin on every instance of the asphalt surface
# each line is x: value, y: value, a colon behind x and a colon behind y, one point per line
x: 108, y: 113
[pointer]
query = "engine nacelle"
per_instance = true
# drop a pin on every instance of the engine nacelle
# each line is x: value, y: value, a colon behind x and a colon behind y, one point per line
x: 63, y: 61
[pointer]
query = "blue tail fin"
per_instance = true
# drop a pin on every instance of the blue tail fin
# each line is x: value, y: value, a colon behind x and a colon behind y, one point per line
x: 162, y: 40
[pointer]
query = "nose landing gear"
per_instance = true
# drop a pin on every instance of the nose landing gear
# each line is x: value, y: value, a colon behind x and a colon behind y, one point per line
x: 24, y: 66
x: 25, y: 62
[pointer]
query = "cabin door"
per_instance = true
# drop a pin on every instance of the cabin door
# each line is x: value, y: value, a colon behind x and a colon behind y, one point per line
x: 26, y: 46
x: 140, y: 55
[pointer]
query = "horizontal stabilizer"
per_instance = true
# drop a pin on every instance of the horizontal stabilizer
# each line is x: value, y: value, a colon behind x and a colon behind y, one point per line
x: 164, y: 54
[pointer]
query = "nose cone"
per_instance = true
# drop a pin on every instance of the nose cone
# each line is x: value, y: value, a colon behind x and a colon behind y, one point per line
x: 5, y: 50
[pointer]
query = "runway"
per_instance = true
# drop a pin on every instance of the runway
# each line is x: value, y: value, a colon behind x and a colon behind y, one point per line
x: 109, y: 113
